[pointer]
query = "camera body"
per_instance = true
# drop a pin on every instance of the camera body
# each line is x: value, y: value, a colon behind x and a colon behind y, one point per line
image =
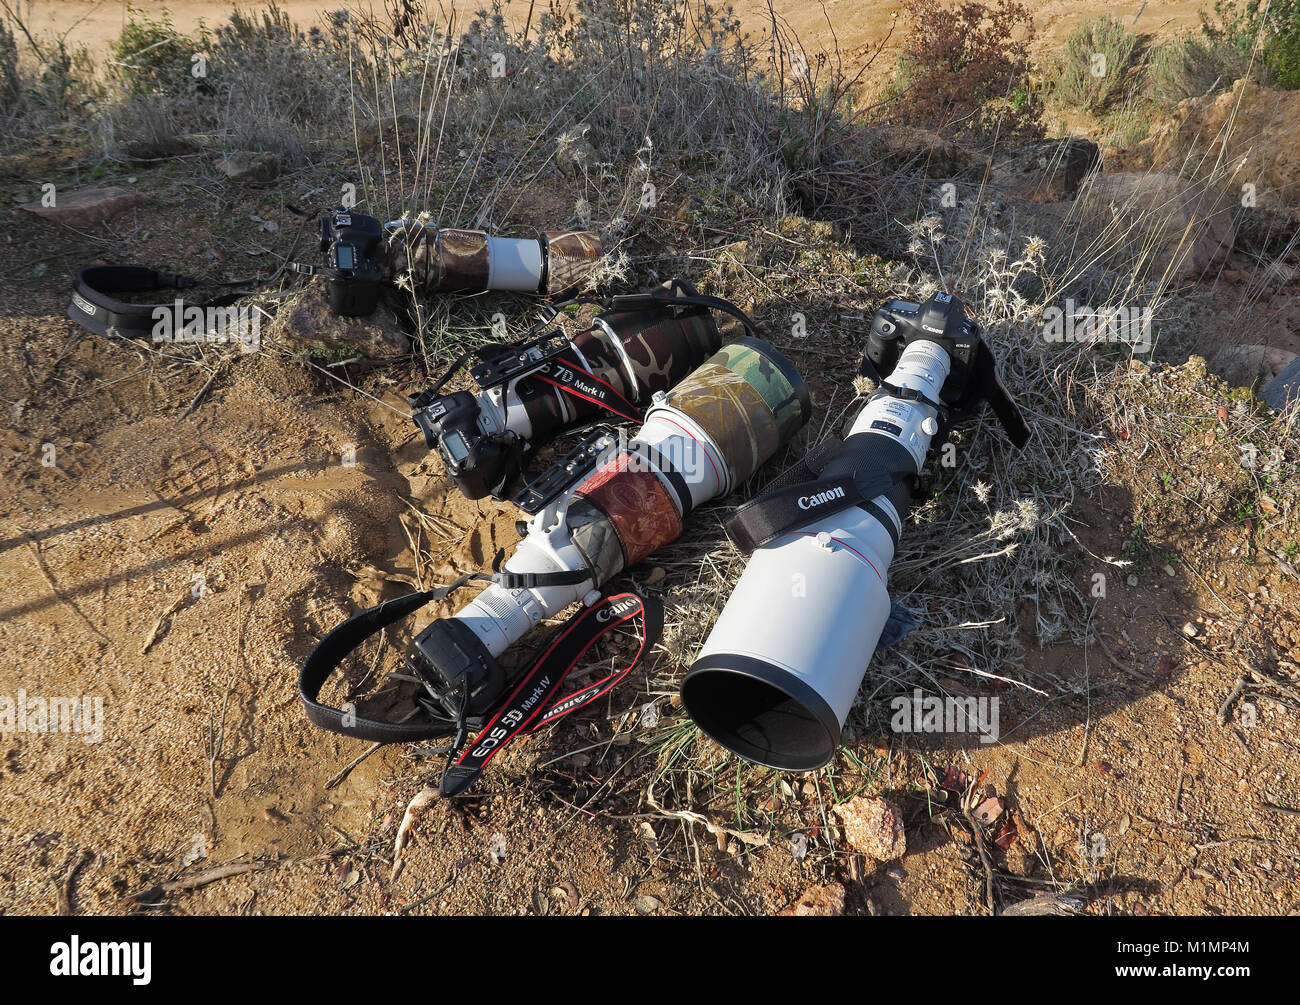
x: 350, y: 243
x: 478, y: 452
x: 941, y: 319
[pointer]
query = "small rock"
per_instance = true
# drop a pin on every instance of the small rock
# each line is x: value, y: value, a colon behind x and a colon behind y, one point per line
x: 87, y: 207
x: 648, y: 905
x: 250, y: 168
x: 817, y: 902
x: 1132, y: 581
x: 1190, y: 630
x: 873, y: 826
x: 1169, y: 571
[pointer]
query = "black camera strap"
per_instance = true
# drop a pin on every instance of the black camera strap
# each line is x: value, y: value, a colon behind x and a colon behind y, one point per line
x: 530, y: 707
x: 778, y: 511
x: 95, y: 308
x: 546, y: 670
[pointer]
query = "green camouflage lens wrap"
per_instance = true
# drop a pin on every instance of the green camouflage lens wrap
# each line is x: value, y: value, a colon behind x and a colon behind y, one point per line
x: 768, y: 371
x: 749, y: 399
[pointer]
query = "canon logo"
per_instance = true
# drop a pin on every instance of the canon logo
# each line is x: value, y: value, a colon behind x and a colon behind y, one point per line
x: 615, y: 610
x: 808, y: 502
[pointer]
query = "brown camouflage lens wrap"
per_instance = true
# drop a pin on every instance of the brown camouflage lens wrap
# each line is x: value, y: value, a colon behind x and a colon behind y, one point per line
x: 449, y: 260
x: 570, y: 259
x: 640, y: 510
x: 463, y: 261
x: 662, y: 350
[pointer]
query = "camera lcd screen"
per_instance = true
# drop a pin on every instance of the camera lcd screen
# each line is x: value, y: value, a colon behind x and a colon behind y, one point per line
x: 345, y: 257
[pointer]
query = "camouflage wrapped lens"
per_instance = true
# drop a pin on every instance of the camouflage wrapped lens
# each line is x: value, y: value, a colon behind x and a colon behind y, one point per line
x: 655, y: 348
x: 446, y: 259
x: 747, y: 400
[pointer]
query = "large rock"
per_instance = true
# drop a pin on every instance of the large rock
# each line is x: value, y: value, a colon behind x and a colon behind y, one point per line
x: 1159, y: 221
x: 1250, y: 133
x: 1045, y: 170
x: 1284, y: 388
x: 87, y: 207
x: 1243, y: 365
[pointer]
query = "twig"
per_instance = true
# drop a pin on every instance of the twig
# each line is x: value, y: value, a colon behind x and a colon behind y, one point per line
x: 347, y: 768
x: 202, y: 878
x: 194, y: 402
x: 152, y: 637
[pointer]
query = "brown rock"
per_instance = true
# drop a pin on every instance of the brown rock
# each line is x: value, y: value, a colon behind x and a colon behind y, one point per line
x: 305, y: 323
x: 1251, y: 130
x: 1045, y: 170
x: 87, y: 207
x: 873, y: 826
x: 817, y: 902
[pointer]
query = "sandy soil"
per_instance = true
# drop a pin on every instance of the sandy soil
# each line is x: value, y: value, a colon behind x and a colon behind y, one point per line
x: 855, y: 27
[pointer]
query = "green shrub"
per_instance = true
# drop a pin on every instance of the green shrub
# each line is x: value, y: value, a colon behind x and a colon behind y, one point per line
x: 1188, y: 66
x: 1267, y: 30
x: 1097, y: 67
x: 151, y: 57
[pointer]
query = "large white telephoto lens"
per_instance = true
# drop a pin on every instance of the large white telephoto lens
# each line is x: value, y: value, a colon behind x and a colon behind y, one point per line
x: 778, y: 674
x: 699, y: 441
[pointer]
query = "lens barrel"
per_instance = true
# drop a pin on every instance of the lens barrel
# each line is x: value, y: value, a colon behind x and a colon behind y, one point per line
x: 699, y: 441
x: 779, y: 672
x: 451, y: 259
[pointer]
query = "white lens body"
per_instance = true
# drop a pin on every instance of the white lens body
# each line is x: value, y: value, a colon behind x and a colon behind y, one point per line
x: 685, y: 448
x: 500, y: 617
x: 514, y: 264
x: 779, y: 672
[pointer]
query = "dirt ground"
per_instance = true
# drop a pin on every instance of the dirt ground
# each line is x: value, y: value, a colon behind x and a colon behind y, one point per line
x: 178, y: 556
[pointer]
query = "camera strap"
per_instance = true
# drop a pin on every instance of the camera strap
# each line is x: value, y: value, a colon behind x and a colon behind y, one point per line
x: 530, y: 707
x: 566, y: 375
x: 525, y: 710
x: 95, y: 308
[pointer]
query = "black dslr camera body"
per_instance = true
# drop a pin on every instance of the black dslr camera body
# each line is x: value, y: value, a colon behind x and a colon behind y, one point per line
x: 350, y: 242
x: 973, y: 378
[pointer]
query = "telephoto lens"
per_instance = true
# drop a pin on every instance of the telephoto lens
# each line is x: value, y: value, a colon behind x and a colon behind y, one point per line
x: 530, y: 393
x: 699, y: 441
x: 779, y: 672
x: 437, y: 259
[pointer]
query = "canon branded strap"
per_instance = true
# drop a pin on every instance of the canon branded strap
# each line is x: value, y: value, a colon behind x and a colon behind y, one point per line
x: 527, y: 707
